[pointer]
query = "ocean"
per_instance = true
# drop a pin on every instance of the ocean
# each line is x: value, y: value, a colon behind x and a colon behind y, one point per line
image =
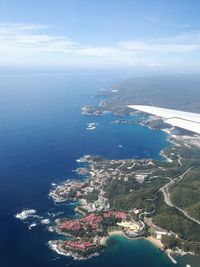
x: 42, y: 134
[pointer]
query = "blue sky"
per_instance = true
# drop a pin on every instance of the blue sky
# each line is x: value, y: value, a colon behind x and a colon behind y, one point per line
x: 101, y: 33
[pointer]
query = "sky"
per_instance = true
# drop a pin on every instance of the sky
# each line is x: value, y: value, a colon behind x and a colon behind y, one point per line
x: 154, y: 34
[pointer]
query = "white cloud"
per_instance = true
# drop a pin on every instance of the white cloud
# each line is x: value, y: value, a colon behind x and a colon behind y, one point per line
x: 12, y: 29
x: 29, y: 39
x: 25, y: 42
x: 154, y: 46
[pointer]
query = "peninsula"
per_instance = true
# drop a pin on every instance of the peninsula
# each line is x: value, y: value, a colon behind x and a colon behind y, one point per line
x: 153, y: 199
x: 136, y: 197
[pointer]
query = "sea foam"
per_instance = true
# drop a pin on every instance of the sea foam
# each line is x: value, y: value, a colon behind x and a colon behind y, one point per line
x: 25, y: 214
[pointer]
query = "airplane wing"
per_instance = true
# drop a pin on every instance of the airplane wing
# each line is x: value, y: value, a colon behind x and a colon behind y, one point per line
x: 186, y: 120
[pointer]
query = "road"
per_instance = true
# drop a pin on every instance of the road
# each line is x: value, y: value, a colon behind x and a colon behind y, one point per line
x: 166, y: 194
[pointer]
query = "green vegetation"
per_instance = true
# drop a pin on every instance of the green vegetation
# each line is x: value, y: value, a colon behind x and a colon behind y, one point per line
x: 92, y: 196
x: 170, y: 241
x: 129, y: 184
x: 172, y: 220
x: 186, y: 194
x: 84, y: 253
x: 131, y: 194
x: 155, y: 91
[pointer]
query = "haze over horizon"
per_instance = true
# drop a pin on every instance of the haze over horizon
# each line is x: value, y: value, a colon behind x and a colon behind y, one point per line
x: 159, y: 35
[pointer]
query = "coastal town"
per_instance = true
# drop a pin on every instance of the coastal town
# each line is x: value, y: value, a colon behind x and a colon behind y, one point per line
x: 88, y: 234
x: 110, y: 201
x: 133, y: 198
x: 129, y: 197
x: 91, y: 230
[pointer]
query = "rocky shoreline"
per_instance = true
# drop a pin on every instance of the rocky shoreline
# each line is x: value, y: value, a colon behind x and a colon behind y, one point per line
x: 96, y: 196
x: 98, y: 179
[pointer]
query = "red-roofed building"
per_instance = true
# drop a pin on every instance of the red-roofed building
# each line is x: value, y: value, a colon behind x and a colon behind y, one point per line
x: 118, y: 214
x: 70, y: 225
x: 110, y: 213
x: 82, y: 245
x: 92, y: 219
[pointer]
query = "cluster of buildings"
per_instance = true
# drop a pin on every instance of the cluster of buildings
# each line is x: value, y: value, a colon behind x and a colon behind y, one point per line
x: 81, y: 245
x: 75, y: 225
x: 92, y: 219
x: 132, y: 226
x: 118, y: 214
x: 72, y: 225
x: 98, y: 205
x: 63, y: 191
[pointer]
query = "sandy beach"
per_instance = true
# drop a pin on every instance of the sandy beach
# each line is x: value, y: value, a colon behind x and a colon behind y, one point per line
x: 155, y: 241
x: 104, y: 239
x: 117, y: 232
x: 151, y: 239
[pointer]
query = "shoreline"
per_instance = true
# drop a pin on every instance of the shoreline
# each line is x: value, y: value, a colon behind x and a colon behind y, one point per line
x: 151, y: 239
x: 104, y: 239
x: 154, y: 241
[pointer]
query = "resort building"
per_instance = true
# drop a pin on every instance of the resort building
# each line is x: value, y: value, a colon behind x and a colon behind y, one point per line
x: 132, y: 226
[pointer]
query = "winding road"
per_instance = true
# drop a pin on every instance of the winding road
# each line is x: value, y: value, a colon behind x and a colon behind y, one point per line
x: 166, y: 194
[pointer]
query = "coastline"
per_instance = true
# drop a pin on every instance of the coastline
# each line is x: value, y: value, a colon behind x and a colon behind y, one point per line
x: 151, y: 239
x: 155, y: 241
x: 104, y: 239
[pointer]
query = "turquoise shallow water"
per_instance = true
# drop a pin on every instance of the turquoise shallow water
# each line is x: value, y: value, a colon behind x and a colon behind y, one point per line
x: 138, y: 253
x: 42, y: 133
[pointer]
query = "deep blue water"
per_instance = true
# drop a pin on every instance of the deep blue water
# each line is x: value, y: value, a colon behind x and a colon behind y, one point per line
x: 42, y: 133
